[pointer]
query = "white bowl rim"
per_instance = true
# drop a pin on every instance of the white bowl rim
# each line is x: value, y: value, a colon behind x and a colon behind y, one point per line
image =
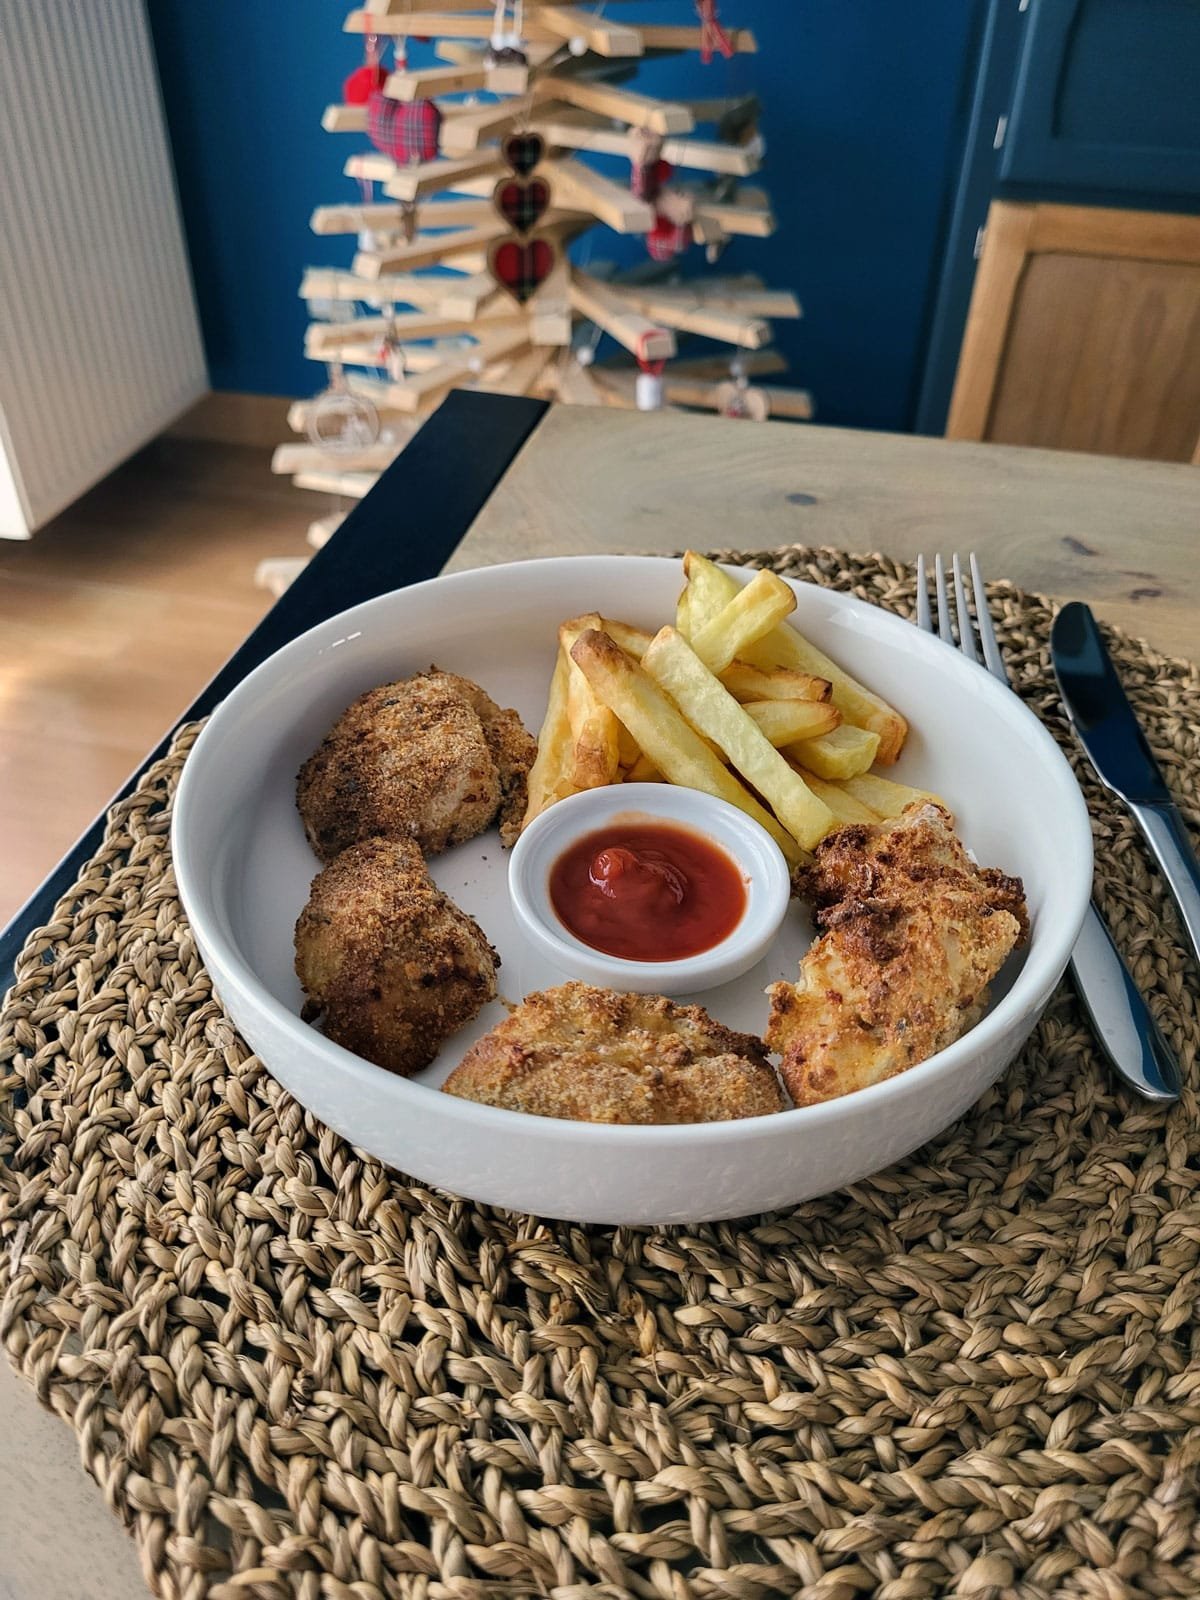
x: 593, y: 807
x: 1039, y: 974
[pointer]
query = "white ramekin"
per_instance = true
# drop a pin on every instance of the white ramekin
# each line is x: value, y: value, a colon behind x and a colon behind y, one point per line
x: 758, y: 857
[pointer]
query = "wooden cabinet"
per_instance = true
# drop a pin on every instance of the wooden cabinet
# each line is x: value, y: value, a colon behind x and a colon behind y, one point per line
x: 1081, y: 325
x: 1107, y: 98
x: 1084, y: 333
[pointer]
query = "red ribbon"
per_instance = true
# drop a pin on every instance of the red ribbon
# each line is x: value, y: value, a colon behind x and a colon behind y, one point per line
x: 654, y: 368
x: 712, y: 35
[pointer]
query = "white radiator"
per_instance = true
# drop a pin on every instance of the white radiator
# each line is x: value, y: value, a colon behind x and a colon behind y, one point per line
x: 99, y: 341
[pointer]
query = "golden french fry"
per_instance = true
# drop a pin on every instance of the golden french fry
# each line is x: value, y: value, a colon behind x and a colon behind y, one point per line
x: 713, y: 712
x: 882, y: 795
x: 628, y: 753
x: 643, y: 770
x: 635, y: 640
x: 683, y: 611
x: 709, y: 589
x: 835, y: 795
x: 752, y: 612
x: 786, y: 721
x: 784, y: 647
x: 574, y: 626
x: 594, y: 728
x: 549, y: 777
x: 667, y: 740
x: 595, y: 764
x: 745, y: 682
x: 844, y: 753
x: 858, y: 705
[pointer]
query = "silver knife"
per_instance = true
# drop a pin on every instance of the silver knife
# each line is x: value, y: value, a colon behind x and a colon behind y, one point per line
x: 1121, y: 1020
x: 1120, y: 1017
x: 1115, y: 745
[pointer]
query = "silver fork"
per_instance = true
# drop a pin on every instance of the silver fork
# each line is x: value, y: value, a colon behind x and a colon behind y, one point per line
x: 1120, y: 1018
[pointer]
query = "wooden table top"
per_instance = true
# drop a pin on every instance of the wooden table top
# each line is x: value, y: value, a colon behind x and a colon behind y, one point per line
x: 1122, y: 535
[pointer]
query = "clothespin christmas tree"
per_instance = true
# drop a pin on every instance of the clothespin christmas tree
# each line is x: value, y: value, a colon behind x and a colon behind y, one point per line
x: 462, y: 276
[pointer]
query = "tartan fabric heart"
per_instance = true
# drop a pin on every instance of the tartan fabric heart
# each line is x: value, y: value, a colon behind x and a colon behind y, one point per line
x: 667, y: 239
x: 521, y: 267
x: 522, y: 152
x: 405, y: 130
x: 522, y: 202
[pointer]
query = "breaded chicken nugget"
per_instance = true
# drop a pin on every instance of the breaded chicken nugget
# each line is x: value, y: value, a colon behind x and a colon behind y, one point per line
x: 390, y: 962
x: 598, y: 1056
x: 913, y: 934
x: 430, y: 758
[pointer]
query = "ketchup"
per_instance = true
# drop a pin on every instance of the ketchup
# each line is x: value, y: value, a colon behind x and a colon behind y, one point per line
x: 647, y: 891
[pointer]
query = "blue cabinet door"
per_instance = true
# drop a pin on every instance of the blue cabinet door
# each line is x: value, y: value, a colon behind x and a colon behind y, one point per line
x: 1107, y: 96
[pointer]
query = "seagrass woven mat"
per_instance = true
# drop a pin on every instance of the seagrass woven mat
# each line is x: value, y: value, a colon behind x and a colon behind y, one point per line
x: 296, y: 1373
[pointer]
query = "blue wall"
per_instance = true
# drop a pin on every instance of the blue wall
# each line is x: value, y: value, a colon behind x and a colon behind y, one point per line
x: 864, y: 108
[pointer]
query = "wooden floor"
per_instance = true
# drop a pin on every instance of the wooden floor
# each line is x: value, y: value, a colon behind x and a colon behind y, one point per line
x: 112, y: 618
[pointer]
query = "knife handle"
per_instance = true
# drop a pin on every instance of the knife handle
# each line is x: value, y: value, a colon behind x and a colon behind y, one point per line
x: 1120, y: 1017
x: 1167, y: 835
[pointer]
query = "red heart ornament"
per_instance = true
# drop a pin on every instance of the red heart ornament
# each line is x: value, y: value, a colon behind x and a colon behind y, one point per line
x: 405, y: 130
x: 362, y: 83
x: 522, y: 202
x: 522, y: 152
x: 521, y: 267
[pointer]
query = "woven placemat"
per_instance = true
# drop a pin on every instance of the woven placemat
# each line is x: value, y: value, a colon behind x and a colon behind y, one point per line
x: 295, y: 1373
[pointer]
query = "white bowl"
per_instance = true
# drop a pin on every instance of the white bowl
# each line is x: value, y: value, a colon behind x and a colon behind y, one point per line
x: 758, y: 857
x: 244, y: 867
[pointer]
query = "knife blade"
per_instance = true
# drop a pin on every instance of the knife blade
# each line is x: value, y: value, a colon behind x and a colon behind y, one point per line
x: 1120, y: 1018
x: 1113, y: 741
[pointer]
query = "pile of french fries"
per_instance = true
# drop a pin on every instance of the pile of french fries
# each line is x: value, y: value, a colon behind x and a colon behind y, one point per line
x: 730, y: 700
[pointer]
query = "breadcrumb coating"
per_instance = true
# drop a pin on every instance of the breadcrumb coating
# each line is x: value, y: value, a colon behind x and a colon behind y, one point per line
x: 387, y: 960
x: 913, y: 934
x: 594, y: 1055
x: 430, y: 758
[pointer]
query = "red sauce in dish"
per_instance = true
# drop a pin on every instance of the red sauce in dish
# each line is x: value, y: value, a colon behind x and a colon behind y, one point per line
x: 647, y: 891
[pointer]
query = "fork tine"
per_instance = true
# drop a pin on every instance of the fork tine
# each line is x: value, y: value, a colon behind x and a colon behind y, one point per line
x: 924, y: 619
x: 987, y: 633
x: 966, y: 633
x: 945, y: 631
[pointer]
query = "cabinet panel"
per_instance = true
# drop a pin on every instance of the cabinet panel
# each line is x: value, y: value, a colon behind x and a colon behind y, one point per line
x: 1108, y: 96
x: 1103, y: 355
x: 1084, y: 333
